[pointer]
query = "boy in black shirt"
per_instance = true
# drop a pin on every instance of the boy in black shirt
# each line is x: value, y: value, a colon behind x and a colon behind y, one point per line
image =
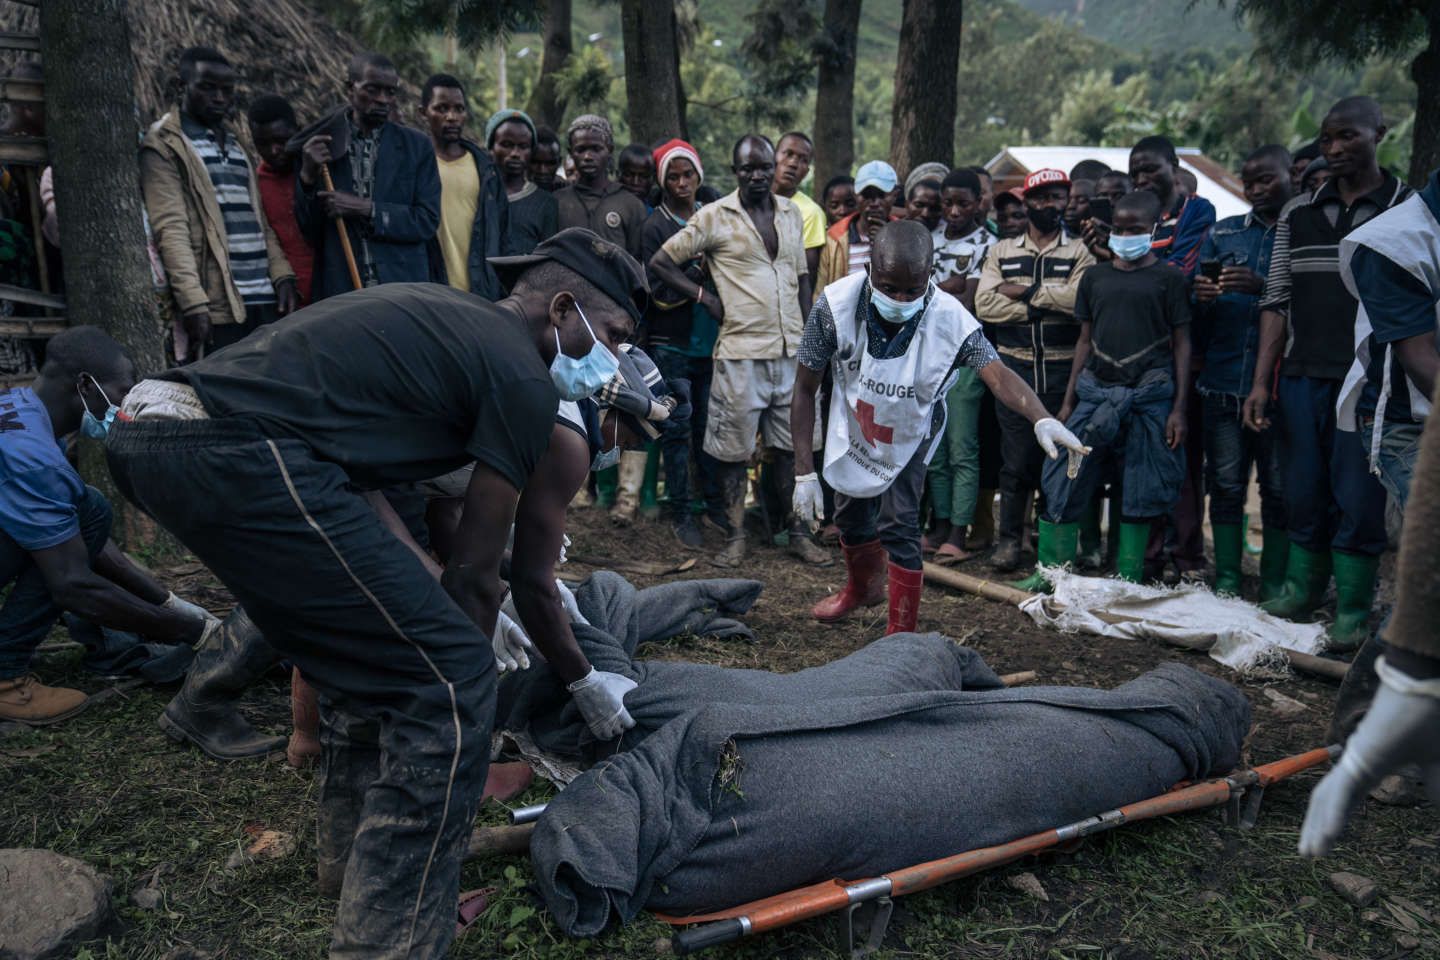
x: 1126, y: 397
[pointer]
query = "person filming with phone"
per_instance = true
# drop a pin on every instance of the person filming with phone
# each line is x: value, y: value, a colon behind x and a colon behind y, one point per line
x: 1233, y: 262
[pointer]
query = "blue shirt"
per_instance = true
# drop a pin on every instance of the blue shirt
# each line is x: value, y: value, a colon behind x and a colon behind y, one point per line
x: 1399, y: 307
x: 40, y: 492
x: 1227, y: 330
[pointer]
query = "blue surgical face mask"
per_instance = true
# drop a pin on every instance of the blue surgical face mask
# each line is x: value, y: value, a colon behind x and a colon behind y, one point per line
x: 1130, y: 247
x: 605, y: 459
x: 895, y: 311
x: 91, y: 425
x: 578, y: 379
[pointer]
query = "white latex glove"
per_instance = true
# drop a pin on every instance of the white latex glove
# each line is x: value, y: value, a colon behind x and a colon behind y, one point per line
x: 601, y: 699
x: 1051, y: 432
x: 564, y: 544
x: 189, y: 609
x: 572, y: 607
x: 808, y: 502
x: 1402, y: 727
x: 512, y: 647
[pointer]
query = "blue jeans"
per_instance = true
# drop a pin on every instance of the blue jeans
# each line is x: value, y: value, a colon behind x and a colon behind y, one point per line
x: 1399, y: 446
x: 1331, y: 499
x: 680, y: 441
x: 1125, y: 426
x: 29, y: 610
x: 1230, y: 450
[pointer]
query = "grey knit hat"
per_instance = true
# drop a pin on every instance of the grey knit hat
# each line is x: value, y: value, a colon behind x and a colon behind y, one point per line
x: 591, y: 121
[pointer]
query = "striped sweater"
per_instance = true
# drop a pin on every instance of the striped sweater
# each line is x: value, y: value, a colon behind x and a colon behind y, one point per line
x: 1304, y: 280
x: 229, y: 171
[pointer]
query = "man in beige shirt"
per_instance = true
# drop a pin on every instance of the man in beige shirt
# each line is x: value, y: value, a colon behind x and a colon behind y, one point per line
x: 752, y: 243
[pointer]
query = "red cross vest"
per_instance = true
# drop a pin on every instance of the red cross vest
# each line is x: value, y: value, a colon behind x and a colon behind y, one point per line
x: 880, y: 410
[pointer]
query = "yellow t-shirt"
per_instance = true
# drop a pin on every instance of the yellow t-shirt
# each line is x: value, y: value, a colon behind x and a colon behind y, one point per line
x: 814, y: 214
x: 459, y: 198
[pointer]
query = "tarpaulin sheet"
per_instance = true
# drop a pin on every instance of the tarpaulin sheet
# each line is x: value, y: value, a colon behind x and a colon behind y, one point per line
x: 1235, y: 633
x: 730, y: 803
x: 535, y: 702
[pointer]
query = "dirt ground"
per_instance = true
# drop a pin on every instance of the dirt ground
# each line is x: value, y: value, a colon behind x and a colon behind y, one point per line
x: 110, y: 788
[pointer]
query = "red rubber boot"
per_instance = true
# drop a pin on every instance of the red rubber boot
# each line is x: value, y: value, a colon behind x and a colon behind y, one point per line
x: 864, y: 582
x: 905, y: 587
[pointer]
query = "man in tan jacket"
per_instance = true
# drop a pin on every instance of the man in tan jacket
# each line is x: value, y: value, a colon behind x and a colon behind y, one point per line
x: 227, y: 273
x: 1026, y: 299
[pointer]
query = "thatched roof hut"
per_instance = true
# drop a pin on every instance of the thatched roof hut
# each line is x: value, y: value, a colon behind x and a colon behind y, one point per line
x: 280, y: 46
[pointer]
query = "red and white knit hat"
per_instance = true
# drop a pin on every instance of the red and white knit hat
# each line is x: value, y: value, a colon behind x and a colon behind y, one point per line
x: 676, y: 149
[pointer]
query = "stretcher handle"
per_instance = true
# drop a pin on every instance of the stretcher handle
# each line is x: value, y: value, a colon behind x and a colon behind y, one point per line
x: 707, y: 935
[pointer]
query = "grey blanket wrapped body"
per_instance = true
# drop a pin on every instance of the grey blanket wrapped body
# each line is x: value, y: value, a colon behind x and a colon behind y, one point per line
x: 621, y: 617
x: 729, y: 803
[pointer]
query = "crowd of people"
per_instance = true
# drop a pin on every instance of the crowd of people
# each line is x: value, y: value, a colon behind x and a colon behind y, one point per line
x: 371, y: 323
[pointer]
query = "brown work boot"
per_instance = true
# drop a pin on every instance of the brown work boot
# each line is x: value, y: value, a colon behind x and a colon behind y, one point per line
x: 27, y: 700
x: 802, y: 546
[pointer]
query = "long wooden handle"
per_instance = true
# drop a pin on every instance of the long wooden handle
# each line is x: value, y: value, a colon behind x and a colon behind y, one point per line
x: 340, y: 228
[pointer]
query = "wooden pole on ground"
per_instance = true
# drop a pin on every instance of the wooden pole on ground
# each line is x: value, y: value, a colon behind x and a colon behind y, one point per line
x: 1004, y: 593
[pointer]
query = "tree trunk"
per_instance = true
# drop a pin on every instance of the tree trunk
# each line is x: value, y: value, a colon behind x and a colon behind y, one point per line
x: 835, y: 93
x: 682, y: 102
x: 922, y: 124
x: 652, y: 84
x: 546, y: 107
x: 1425, y: 71
x: 90, y: 117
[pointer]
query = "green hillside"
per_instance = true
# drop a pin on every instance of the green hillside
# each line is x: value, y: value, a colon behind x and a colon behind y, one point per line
x: 1093, y: 71
x: 1160, y: 26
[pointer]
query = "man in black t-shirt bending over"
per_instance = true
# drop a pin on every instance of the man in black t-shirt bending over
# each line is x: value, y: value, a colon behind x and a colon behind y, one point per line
x: 264, y: 459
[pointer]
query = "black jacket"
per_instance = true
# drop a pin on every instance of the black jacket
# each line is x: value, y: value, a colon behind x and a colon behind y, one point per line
x: 407, y: 213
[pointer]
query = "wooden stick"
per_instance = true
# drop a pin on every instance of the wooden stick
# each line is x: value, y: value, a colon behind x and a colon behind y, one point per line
x: 1004, y: 593
x: 340, y: 228
x: 989, y: 589
x: 37, y: 216
x: 1015, y: 679
x: 499, y: 841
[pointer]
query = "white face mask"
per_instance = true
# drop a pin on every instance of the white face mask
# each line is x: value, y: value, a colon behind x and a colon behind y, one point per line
x: 896, y: 311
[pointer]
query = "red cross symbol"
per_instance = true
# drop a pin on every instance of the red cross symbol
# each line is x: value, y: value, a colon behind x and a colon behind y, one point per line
x: 869, y: 429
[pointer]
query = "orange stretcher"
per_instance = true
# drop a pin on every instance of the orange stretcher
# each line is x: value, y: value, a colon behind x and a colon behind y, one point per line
x: 1241, y: 791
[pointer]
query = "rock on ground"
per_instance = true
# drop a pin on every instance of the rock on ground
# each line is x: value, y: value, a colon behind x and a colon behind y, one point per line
x: 49, y: 904
x: 1354, y: 889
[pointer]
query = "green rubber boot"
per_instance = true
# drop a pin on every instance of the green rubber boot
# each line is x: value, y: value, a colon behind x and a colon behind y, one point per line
x: 1091, y: 555
x: 1273, y: 558
x: 1306, y: 574
x: 606, y: 482
x: 1229, y: 548
x: 1355, y: 576
x: 649, y: 497
x: 1130, y: 557
x: 1057, y: 546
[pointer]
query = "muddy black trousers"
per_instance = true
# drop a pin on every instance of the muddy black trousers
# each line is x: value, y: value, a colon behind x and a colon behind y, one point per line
x: 388, y: 650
